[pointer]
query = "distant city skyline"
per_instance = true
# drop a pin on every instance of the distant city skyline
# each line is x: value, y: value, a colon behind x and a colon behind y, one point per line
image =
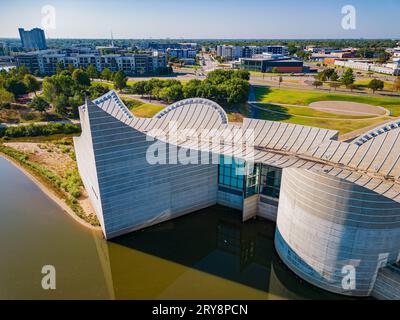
x: 223, y: 19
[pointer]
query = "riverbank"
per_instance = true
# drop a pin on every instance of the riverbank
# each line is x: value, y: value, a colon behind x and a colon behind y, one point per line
x: 49, y: 187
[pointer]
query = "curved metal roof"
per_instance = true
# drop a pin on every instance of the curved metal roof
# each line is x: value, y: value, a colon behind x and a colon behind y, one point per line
x: 373, y: 164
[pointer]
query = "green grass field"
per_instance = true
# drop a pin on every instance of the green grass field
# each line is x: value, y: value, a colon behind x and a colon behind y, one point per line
x: 304, y: 98
x: 141, y: 109
x: 309, y: 112
x: 108, y: 85
x: 343, y: 126
x: 364, y: 83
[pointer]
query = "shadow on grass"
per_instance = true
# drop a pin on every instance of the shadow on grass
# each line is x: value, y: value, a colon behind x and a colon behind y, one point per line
x: 272, y: 112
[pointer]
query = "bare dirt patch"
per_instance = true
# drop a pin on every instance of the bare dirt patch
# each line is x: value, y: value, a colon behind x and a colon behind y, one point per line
x: 348, y: 108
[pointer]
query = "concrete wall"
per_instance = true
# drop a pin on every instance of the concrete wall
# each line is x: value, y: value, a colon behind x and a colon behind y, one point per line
x: 250, y: 207
x: 387, y: 284
x: 133, y: 193
x: 268, y: 208
x: 230, y: 200
x: 325, y: 223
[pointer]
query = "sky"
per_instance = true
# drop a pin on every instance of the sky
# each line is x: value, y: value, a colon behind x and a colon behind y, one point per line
x: 201, y: 19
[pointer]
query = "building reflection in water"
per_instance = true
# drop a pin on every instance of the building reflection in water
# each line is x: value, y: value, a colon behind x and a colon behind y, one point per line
x: 209, y: 254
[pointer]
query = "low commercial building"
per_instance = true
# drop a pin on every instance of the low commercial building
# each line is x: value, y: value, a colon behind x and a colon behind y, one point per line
x: 46, y: 62
x: 336, y: 204
x: 269, y: 63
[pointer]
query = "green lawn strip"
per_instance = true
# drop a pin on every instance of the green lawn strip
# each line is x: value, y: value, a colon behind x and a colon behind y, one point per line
x: 146, y: 110
x: 364, y: 84
x: 141, y: 109
x: 343, y: 126
x: 108, y: 85
x: 305, y: 98
x: 65, y: 188
x: 309, y: 112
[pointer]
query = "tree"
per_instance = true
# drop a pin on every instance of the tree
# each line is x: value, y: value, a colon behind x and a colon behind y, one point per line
x: 15, y: 86
x: 81, y: 78
x: 274, y: 70
x: 334, y: 76
x: 31, y: 84
x: 280, y: 81
x: 334, y: 85
x: 348, y: 77
x: 376, y: 84
x: 191, y: 87
x: 39, y: 104
x: 120, y: 80
x: 60, y: 67
x: 106, y: 74
x: 138, y: 88
x: 321, y: 76
x: 92, y: 71
x: 61, y: 105
x: 71, y: 69
x: 352, y: 87
x: 50, y: 89
x: 318, y: 83
x: 172, y: 93
x: 242, y: 74
x: 396, y: 85
x: 5, y: 97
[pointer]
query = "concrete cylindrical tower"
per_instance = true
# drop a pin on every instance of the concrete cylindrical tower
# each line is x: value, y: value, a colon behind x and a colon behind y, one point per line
x: 333, y: 233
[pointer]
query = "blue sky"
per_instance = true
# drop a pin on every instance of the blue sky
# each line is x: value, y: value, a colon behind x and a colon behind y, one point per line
x: 203, y: 19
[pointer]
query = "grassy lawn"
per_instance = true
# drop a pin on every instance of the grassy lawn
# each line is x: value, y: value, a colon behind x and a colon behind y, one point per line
x: 146, y: 110
x: 235, y: 117
x: 309, y: 112
x: 364, y: 83
x: 141, y: 109
x: 108, y: 85
x: 343, y: 126
x: 267, y: 74
x: 304, y: 98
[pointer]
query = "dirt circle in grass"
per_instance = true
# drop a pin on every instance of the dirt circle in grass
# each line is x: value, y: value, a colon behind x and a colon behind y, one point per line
x: 348, y: 108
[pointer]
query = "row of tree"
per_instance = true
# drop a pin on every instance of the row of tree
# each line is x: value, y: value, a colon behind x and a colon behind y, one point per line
x: 222, y: 86
x: 348, y: 80
x: 66, y: 91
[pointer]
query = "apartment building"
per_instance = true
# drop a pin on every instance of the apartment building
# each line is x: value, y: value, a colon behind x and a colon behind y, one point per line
x: 230, y: 53
x: 33, y: 39
x: 182, y: 53
x: 46, y: 62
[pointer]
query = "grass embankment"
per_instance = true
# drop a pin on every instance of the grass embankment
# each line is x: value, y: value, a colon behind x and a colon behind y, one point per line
x: 67, y: 187
x: 343, y: 126
x: 141, y: 109
x: 305, y: 98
